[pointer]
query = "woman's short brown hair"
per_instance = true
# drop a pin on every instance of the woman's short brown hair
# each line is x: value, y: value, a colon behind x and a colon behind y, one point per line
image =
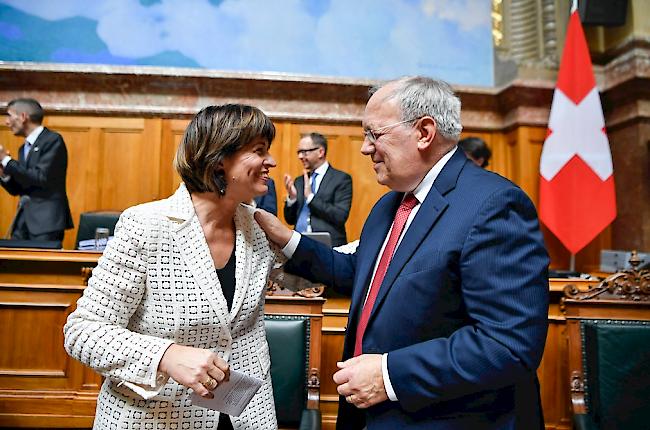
x: 215, y: 133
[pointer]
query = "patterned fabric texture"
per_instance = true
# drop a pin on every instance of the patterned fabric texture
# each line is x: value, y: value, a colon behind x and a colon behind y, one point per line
x: 156, y: 285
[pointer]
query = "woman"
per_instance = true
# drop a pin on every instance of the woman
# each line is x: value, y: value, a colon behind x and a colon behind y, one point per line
x: 177, y: 299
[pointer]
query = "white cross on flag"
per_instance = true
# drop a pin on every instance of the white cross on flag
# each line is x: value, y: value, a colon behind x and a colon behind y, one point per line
x: 577, y: 198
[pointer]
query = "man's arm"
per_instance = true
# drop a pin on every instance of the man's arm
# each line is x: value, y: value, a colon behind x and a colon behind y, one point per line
x: 503, y: 268
x: 12, y: 187
x: 335, y: 213
x: 52, y: 160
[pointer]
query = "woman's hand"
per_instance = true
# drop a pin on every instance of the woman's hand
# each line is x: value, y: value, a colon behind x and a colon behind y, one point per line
x: 199, y: 369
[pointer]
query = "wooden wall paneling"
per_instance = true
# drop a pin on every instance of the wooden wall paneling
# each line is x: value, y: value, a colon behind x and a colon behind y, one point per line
x: 102, y: 165
x: 8, y: 203
x: 498, y: 163
x: 81, y: 179
x: 124, y: 162
x: 150, y: 158
x: 281, y: 152
x: 171, y: 134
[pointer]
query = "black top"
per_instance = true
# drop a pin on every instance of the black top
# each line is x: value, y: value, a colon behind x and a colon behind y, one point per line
x: 227, y: 279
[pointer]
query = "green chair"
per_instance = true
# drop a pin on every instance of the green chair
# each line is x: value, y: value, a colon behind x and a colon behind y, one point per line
x: 608, y: 328
x: 295, y: 386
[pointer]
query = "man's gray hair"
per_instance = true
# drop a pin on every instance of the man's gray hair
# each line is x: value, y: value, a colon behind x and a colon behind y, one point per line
x: 420, y: 96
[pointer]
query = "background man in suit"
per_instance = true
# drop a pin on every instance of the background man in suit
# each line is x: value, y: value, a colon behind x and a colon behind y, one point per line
x: 269, y: 201
x: 325, y: 197
x: 476, y: 150
x: 38, y: 176
x: 448, y: 316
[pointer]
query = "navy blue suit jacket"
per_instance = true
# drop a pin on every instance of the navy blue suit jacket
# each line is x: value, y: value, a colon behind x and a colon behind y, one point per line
x: 42, y: 178
x: 269, y: 201
x: 462, y: 311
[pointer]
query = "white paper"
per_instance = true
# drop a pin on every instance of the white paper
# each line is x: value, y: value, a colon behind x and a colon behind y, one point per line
x: 232, y: 396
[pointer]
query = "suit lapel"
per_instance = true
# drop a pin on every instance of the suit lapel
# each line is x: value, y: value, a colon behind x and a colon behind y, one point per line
x: 189, y: 237
x: 379, y: 221
x: 428, y: 214
x: 325, y: 183
x: 34, y: 153
x: 300, y: 194
x: 245, y: 250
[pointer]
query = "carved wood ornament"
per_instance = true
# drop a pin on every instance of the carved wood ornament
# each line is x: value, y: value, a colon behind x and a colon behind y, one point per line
x: 631, y: 284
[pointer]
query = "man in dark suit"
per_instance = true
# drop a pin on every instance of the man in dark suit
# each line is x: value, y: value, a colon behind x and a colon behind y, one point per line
x: 325, y: 194
x: 448, y: 316
x: 269, y: 201
x: 37, y: 176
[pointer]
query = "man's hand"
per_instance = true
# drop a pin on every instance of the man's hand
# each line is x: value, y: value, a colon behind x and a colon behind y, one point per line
x: 277, y: 232
x: 291, y: 188
x: 3, y: 152
x: 361, y: 381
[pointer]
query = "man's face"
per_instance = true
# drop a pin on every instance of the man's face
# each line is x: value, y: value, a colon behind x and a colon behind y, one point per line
x: 394, y: 153
x: 17, y: 122
x: 311, y: 155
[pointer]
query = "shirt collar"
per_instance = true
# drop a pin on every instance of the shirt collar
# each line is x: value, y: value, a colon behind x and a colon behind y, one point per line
x: 425, y: 185
x: 320, y: 170
x: 34, y: 135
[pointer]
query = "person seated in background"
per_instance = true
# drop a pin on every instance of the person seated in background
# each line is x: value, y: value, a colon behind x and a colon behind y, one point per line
x: 320, y: 199
x: 268, y: 201
x: 37, y: 176
x: 476, y: 150
x: 176, y: 300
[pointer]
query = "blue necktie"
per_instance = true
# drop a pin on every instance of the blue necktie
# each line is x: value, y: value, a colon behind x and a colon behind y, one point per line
x: 26, y: 149
x: 302, y: 225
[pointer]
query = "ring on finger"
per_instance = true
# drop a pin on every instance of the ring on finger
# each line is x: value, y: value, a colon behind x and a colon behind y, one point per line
x: 210, y: 384
x: 349, y: 398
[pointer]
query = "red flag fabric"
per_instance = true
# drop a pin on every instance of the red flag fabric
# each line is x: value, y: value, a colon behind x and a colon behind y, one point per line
x: 577, y: 198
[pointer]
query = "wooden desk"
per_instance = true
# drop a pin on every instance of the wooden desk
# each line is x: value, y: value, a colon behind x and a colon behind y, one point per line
x: 40, y: 385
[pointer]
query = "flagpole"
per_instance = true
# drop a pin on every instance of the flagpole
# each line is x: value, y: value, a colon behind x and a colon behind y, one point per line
x: 572, y: 263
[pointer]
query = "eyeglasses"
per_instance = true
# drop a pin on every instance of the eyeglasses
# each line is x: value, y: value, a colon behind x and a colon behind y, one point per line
x: 373, y: 135
x: 303, y: 152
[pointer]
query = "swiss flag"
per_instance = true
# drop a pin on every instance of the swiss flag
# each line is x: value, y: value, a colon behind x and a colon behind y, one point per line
x: 577, y: 198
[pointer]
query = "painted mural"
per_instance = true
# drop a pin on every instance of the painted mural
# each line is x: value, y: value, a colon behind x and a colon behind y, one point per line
x: 375, y: 39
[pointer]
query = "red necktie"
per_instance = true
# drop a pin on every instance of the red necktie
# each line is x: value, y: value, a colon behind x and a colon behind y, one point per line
x: 401, y: 216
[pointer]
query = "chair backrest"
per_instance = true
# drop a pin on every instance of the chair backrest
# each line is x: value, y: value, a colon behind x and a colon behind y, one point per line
x: 608, y: 327
x: 288, y: 337
x: 89, y: 221
x: 294, y: 332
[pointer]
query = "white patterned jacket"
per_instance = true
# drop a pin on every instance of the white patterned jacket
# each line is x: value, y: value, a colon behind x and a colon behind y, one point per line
x: 156, y: 285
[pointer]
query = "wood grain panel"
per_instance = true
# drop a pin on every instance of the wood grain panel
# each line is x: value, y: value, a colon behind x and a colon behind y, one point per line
x: 117, y: 162
x: 8, y: 203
